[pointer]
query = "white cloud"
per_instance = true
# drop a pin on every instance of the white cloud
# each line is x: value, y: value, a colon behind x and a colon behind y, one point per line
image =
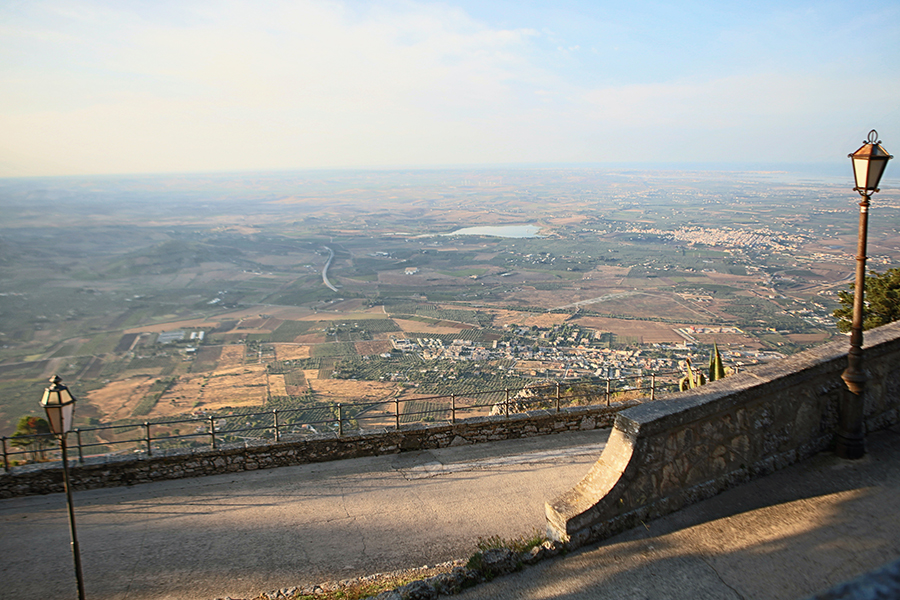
x: 298, y: 85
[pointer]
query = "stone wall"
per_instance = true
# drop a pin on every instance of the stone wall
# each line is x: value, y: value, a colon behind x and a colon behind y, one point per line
x: 113, y: 471
x: 689, y: 446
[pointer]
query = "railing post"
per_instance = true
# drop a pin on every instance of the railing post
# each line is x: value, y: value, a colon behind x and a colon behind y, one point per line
x: 340, y: 418
x: 149, y: 444
x: 5, y: 456
x: 80, y: 453
x: 557, y: 396
x: 275, y: 422
x: 212, y: 432
x: 507, y: 403
x: 397, y: 411
x: 453, y: 408
x: 607, y: 391
x: 652, y: 387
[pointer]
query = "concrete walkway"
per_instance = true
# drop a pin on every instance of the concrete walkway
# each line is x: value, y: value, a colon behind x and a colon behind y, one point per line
x: 790, y: 535
x: 243, y: 534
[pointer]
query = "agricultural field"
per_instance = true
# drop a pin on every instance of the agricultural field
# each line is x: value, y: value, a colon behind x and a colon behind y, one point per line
x: 207, y: 295
x: 649, y: 332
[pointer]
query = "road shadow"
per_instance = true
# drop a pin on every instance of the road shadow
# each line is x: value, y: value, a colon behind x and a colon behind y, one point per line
x: 785, y: 536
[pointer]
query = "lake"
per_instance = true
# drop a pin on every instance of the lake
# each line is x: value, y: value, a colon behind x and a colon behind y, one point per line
x: 507, y: 231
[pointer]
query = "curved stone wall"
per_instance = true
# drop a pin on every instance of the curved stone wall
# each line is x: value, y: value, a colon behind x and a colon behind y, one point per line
x: 689, y: 446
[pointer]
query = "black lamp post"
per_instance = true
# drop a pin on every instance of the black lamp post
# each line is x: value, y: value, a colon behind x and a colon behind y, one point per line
x: 868, y: 167
x: 60, y: 407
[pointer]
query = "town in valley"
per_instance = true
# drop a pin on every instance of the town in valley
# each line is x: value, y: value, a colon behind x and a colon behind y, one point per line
x: 157, y: 297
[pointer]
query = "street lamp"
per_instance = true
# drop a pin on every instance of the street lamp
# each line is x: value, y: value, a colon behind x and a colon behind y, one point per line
x: 60, y: 407
x: 868, y: 167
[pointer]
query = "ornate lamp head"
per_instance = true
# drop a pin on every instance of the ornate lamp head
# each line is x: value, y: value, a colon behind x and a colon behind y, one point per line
x: 868, y: 164
x: 60, y: 406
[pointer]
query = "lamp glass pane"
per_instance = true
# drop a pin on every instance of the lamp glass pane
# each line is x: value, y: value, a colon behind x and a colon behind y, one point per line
x: 861, y: 172
x: 68, y: 417
x: 54, y: 417
x: 876, y: 170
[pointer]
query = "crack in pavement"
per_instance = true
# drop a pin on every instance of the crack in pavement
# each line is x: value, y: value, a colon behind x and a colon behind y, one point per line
x: 719, y: 577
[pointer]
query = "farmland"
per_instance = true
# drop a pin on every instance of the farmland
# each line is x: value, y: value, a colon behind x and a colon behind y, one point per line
x: 169, y: 306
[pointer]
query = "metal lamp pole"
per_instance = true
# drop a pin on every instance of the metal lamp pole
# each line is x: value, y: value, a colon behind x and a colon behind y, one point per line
x: 60, y: 407
x: 868, y: 167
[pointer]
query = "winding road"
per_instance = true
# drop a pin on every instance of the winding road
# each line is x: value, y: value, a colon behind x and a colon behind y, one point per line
x: 325, y: 279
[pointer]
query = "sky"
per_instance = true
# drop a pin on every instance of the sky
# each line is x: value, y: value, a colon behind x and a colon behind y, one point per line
x: 162, y: 86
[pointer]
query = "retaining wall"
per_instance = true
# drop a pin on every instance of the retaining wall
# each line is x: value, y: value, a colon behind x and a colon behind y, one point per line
x: 689, y: 446
x: 98, y: 472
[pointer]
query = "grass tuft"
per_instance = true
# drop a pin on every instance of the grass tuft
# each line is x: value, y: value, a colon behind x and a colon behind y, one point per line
x: 520, y: 544
x: 358, y: 591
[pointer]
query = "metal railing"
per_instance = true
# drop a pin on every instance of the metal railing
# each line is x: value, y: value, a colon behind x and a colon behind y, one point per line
x: 293, y: 423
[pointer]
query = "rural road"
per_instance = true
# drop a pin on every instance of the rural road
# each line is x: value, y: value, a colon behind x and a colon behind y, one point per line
x: 325, y: 279
x: 242, y: 534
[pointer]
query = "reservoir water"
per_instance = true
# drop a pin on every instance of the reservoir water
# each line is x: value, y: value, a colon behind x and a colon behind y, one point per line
x: 507, y: 231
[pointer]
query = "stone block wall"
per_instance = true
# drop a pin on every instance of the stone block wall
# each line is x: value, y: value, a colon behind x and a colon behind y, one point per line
x: 113, y: 471
x: 686, y: 447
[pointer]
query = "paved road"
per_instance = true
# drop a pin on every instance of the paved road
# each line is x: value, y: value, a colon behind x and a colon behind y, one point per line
x: 325, y: 279
x: 790, y: 535
x: 239, y: 535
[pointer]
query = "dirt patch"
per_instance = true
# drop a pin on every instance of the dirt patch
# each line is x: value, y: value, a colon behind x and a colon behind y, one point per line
x: 455, y: 324
x: 728, y: 278
x: 529, y: 365
x: 231, y: 356
x: 373, y: 347
x: 808, y: 338
x: 173, y: 325
x: 286, y: 313
x: 382, y: 410
x: 311, y: 374
x: 346, y: 390
x: 277, y: 386
x: 385, y: 335
x: 420, y: 327
x: 547, y: 299
x: 207, y: 359
x: 118, y: 399
x: 650, y: 332
x: 236, y: 386
x: 527, y: 319
x: 348, y: 316
x: 567, y: 220
x: 310, y: 338
x: 608, y: 275
x: 269, y: 313
x: 258, y: 324
x: 291, y: 351
x: 727, y: 339
x: 347, y: 305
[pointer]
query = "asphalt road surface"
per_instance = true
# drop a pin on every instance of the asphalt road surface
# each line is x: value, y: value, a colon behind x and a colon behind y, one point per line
x: 241, y: 534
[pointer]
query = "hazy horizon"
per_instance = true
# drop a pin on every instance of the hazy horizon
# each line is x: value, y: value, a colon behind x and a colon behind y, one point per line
x: 103, y: 87
x: 832, y: 172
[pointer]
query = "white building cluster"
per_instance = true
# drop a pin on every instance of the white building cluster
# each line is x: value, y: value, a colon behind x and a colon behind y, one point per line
x: 562, y: 361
